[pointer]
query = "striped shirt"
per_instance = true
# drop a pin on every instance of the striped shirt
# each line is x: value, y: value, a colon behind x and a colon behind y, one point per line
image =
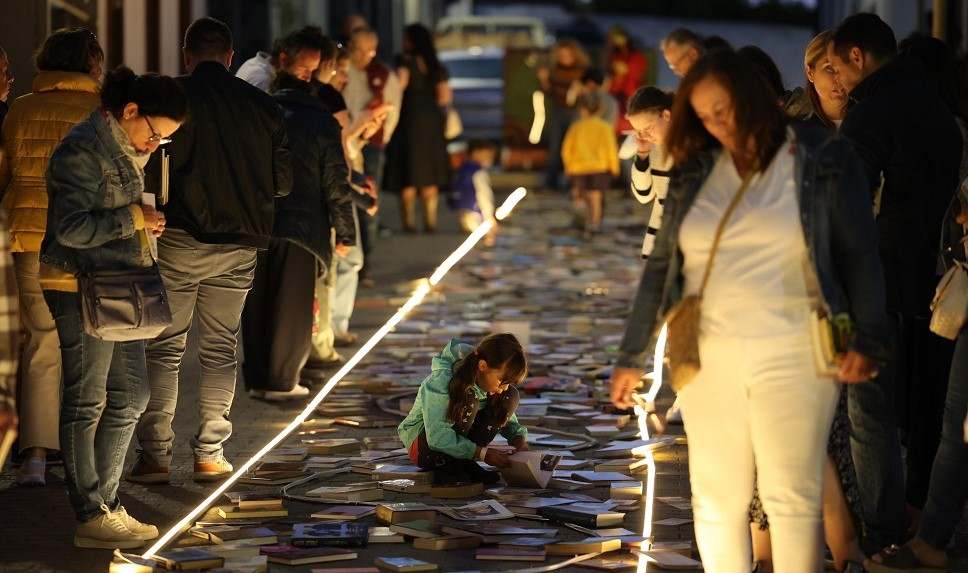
x: 650, y: 181
x: 9, y: 320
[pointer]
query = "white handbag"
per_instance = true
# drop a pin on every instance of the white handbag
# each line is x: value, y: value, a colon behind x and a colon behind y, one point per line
x: 949, y: 309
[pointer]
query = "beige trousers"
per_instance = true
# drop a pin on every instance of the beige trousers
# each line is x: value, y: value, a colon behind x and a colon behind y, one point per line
x: 323, y: 335
x: 39, y: 380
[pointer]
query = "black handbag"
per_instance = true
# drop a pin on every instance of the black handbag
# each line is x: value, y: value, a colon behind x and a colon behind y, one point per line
x: 127, y: 305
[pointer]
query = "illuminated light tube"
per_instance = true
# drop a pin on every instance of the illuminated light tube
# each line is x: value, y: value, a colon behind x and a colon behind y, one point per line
x: 423, y: 288
x: 642, y: 417
x: 537, y: 101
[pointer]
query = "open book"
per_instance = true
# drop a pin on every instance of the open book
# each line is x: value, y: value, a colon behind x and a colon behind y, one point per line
x: 530, y: 469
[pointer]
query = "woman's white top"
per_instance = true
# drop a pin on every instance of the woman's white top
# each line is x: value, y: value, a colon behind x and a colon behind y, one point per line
x: 756, y: 288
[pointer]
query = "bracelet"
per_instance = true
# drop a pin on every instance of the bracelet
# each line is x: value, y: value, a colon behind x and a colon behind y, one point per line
x: 483, y: 453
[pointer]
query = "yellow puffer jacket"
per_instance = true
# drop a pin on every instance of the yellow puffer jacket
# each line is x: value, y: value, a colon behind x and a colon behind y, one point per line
x: 32, y: 129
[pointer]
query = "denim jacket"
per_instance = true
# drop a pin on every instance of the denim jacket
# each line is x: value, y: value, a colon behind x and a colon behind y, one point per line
x: 838, y: 228
x: 91, y: 185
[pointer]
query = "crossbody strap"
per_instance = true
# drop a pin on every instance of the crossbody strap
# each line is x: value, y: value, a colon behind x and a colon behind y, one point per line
x: 719, y: 230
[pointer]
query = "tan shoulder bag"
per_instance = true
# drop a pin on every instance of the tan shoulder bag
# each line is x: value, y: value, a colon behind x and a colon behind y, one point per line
x: 682, y: 347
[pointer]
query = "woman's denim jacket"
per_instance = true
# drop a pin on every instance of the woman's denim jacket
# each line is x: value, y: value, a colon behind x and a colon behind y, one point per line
x: 90, y: 185
x: 838, y: 227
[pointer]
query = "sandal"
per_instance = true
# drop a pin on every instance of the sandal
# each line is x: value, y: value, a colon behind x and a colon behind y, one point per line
x: 895, y: 559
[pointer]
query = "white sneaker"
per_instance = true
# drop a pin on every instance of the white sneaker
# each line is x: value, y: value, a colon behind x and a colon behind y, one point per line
x: 107, y: 531
x: 299, y: 391
x: 142, y: 531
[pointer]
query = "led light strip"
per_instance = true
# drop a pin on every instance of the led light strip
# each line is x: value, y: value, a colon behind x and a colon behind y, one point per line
x: 415, y: 299
x: 537, y: 102
x: 642, y: 416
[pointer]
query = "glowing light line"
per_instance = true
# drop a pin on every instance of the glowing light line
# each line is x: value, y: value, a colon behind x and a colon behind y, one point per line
x: 642, y: 416
x: 537, y: 101
x: 415, y: 299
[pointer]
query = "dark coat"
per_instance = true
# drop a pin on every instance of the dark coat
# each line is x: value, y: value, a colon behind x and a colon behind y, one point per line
x: 321, y: 197
x: 229, y: 161
x: 902, y: 130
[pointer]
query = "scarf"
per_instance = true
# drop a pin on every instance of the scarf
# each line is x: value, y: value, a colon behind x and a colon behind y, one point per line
x: 137, y: 158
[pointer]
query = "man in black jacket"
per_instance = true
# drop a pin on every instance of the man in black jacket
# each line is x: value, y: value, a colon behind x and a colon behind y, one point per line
x: 911, y: 146
x: 313, y: 221
x: 228, y: 165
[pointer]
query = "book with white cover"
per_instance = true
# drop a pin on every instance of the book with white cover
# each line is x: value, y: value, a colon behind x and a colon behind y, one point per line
x: 530, y: 469
x: 486, y: 510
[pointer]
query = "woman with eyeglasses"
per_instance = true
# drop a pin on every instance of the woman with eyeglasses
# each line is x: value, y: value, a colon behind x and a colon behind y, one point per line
x: 65, y: 90
x: 97, y: 222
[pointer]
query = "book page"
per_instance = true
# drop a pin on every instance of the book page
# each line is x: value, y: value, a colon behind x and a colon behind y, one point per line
x: 149, y: 199
x: 530, y: 469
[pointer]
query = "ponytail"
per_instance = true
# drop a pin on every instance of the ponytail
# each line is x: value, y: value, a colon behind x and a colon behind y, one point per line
x: 498, y: 351
x: 155, y: 95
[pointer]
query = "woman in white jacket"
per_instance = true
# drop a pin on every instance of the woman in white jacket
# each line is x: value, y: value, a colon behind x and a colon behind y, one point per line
x: 649, y: 113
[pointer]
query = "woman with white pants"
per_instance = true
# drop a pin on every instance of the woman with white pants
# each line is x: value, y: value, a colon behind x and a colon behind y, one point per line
x: 758, y: 406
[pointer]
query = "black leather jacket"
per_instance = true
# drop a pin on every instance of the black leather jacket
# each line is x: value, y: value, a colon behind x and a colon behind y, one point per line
x: 229, y: 161
x: 321, y: 197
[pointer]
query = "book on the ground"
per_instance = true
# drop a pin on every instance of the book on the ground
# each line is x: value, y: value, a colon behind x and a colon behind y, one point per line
x: 610, y: 563
x: 235, y: 549
x: 446, y: 542
x: 636, y: 448
x: 344, y: 512
x: 254, y: 499
x: 564, y: 484
x: 486, y: 510
x: 672, y: 561
x: 294, y: 454
x: 405, y: 486
x: 625, y: 490
x: 253, y: 564
x: 416, y: 528
x: 533, y: 505
x: 188, y: 559
x: 366, y: 422
x: 390, y: 513
x: 331, y: 534
x: 600, y: 478
x: 382, y: 534
x: 273, y: 477
x: 677, y: 502
x: 404, y: 564
x: 344, y: 570
x: 582, y: 516
x: 530, y: 469
x: 233, y: 512
x: 512, y: 494
x: 525, y: 542
x: 602, y: 430
x: 289, y: 555
x: 673, y: 521
x: 382, y: 442
x: 348, y: 493
x: 622, y: 465
x: 131, y: 563
x: 384, y: 472
x: 510, y: 554
x: 590, y: 545
x: 260, y: 535
x: 573, y: 464
x: 329, y: 446
x: 498, y: 531
x: 457, y: 491
x: 279, y: 467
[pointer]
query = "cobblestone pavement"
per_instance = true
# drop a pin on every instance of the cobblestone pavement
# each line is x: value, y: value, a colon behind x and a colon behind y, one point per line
x: 38, y: 524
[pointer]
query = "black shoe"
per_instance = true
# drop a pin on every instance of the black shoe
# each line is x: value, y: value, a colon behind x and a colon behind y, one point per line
x: 479, y: 474
x: 450, y: 474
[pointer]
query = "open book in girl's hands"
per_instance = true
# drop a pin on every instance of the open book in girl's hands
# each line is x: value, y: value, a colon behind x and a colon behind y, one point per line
x: 530, y: 469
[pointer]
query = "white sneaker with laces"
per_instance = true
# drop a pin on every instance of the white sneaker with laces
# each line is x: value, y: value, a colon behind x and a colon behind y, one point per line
x: 143, y: 531
x: 107, y: 531
x: 299, y: 391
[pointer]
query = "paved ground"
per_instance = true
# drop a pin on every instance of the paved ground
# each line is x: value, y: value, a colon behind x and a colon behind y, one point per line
x: 36, y: 532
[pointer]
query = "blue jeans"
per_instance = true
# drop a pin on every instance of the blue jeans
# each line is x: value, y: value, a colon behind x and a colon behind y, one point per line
x: 105, y: 391
x: 948, y: 489
x: 343, y: 297
x: 876, y: 451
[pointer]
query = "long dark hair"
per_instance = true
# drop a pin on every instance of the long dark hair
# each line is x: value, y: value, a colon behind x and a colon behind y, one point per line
x: 497, y: 350
x: 156, y: 95
x: 757, y: 116
x: 421, y: 44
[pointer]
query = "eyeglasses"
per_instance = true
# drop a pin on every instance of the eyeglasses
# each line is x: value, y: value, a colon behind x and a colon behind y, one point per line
x: 155, y: 136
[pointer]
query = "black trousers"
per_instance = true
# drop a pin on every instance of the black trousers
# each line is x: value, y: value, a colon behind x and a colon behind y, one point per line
x: 487, y: 423
x: 277, y: 322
